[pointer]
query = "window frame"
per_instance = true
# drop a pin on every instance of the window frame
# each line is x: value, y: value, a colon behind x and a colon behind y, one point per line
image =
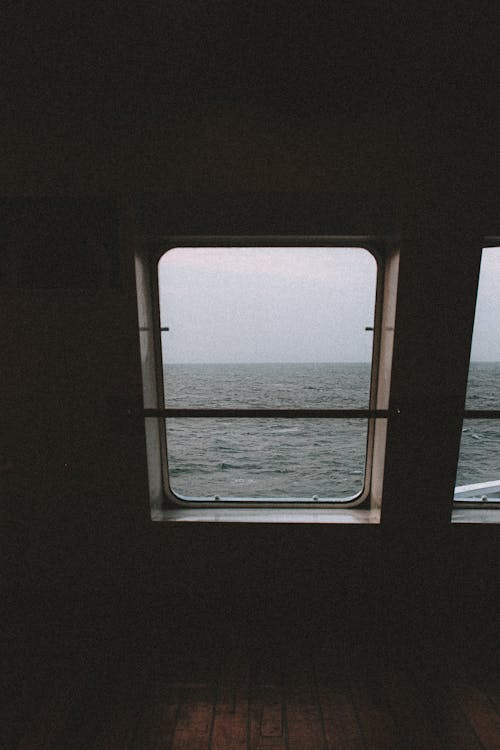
x: 468, y: 504
x: 153, y: 250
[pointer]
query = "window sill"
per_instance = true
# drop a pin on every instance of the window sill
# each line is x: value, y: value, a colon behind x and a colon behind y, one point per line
x: 268, y: 515
x: 470, y: 515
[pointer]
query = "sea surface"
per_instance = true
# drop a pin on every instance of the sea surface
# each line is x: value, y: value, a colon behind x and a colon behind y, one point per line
x: 296, y: 458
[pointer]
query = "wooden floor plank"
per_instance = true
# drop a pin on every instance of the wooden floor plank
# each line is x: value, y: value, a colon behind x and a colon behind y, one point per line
x: 230, y: 728
x: 445, y: 715
x: 480, y: 712
x: 376, y: 720
x: 193, y: 728
x: 340, y: 721
x: 266, y: 701
x: 490, y: 684
x: 303, y: 716
x: 253, y: 696
x: 485, y: 675
x: 408, y: 711
x: 266, y: 731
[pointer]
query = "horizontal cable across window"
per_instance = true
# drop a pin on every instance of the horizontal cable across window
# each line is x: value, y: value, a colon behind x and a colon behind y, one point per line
x: 482, y: 414
x: 272, y: 413
x: 242, y: 413
x: 249, y: 413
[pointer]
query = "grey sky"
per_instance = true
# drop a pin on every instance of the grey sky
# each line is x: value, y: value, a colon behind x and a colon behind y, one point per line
x: 267, y: 304
x: 486, y: 338
x: 288, y: 305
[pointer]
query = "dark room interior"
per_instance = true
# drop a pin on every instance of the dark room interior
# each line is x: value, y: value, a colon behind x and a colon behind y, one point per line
x: 316, y: 628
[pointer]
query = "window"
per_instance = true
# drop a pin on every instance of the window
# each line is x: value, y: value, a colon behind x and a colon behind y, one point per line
x: 264, y: 357
x: 478, y: 472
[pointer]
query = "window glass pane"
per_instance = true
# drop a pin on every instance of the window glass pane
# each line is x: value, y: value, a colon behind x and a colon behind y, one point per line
x: 267, y: 327
x: 266, y: 458
x: 479, y: 460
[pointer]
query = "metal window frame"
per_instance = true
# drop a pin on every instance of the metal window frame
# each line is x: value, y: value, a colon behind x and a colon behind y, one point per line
x: 156, y: 248
x: 468, y: 503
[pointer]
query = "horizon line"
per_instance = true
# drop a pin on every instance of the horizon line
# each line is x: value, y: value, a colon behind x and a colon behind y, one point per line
x: 273, y: 362
x: 303, y: 362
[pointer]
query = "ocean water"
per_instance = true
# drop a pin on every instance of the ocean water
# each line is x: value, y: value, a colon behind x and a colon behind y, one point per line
x: 479, y: 459
x: 295, y: 458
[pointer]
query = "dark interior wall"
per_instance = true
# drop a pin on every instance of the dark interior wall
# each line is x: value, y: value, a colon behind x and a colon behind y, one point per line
x: 75, y: 502
x: 75, y: 512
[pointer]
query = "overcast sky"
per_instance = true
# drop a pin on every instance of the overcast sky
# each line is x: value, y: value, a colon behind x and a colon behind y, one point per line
x: 486, y: 338
x: 288, y: 305
x: 267, y: 304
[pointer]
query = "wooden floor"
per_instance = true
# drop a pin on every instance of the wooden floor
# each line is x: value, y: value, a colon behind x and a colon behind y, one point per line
x: 271, y: 693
